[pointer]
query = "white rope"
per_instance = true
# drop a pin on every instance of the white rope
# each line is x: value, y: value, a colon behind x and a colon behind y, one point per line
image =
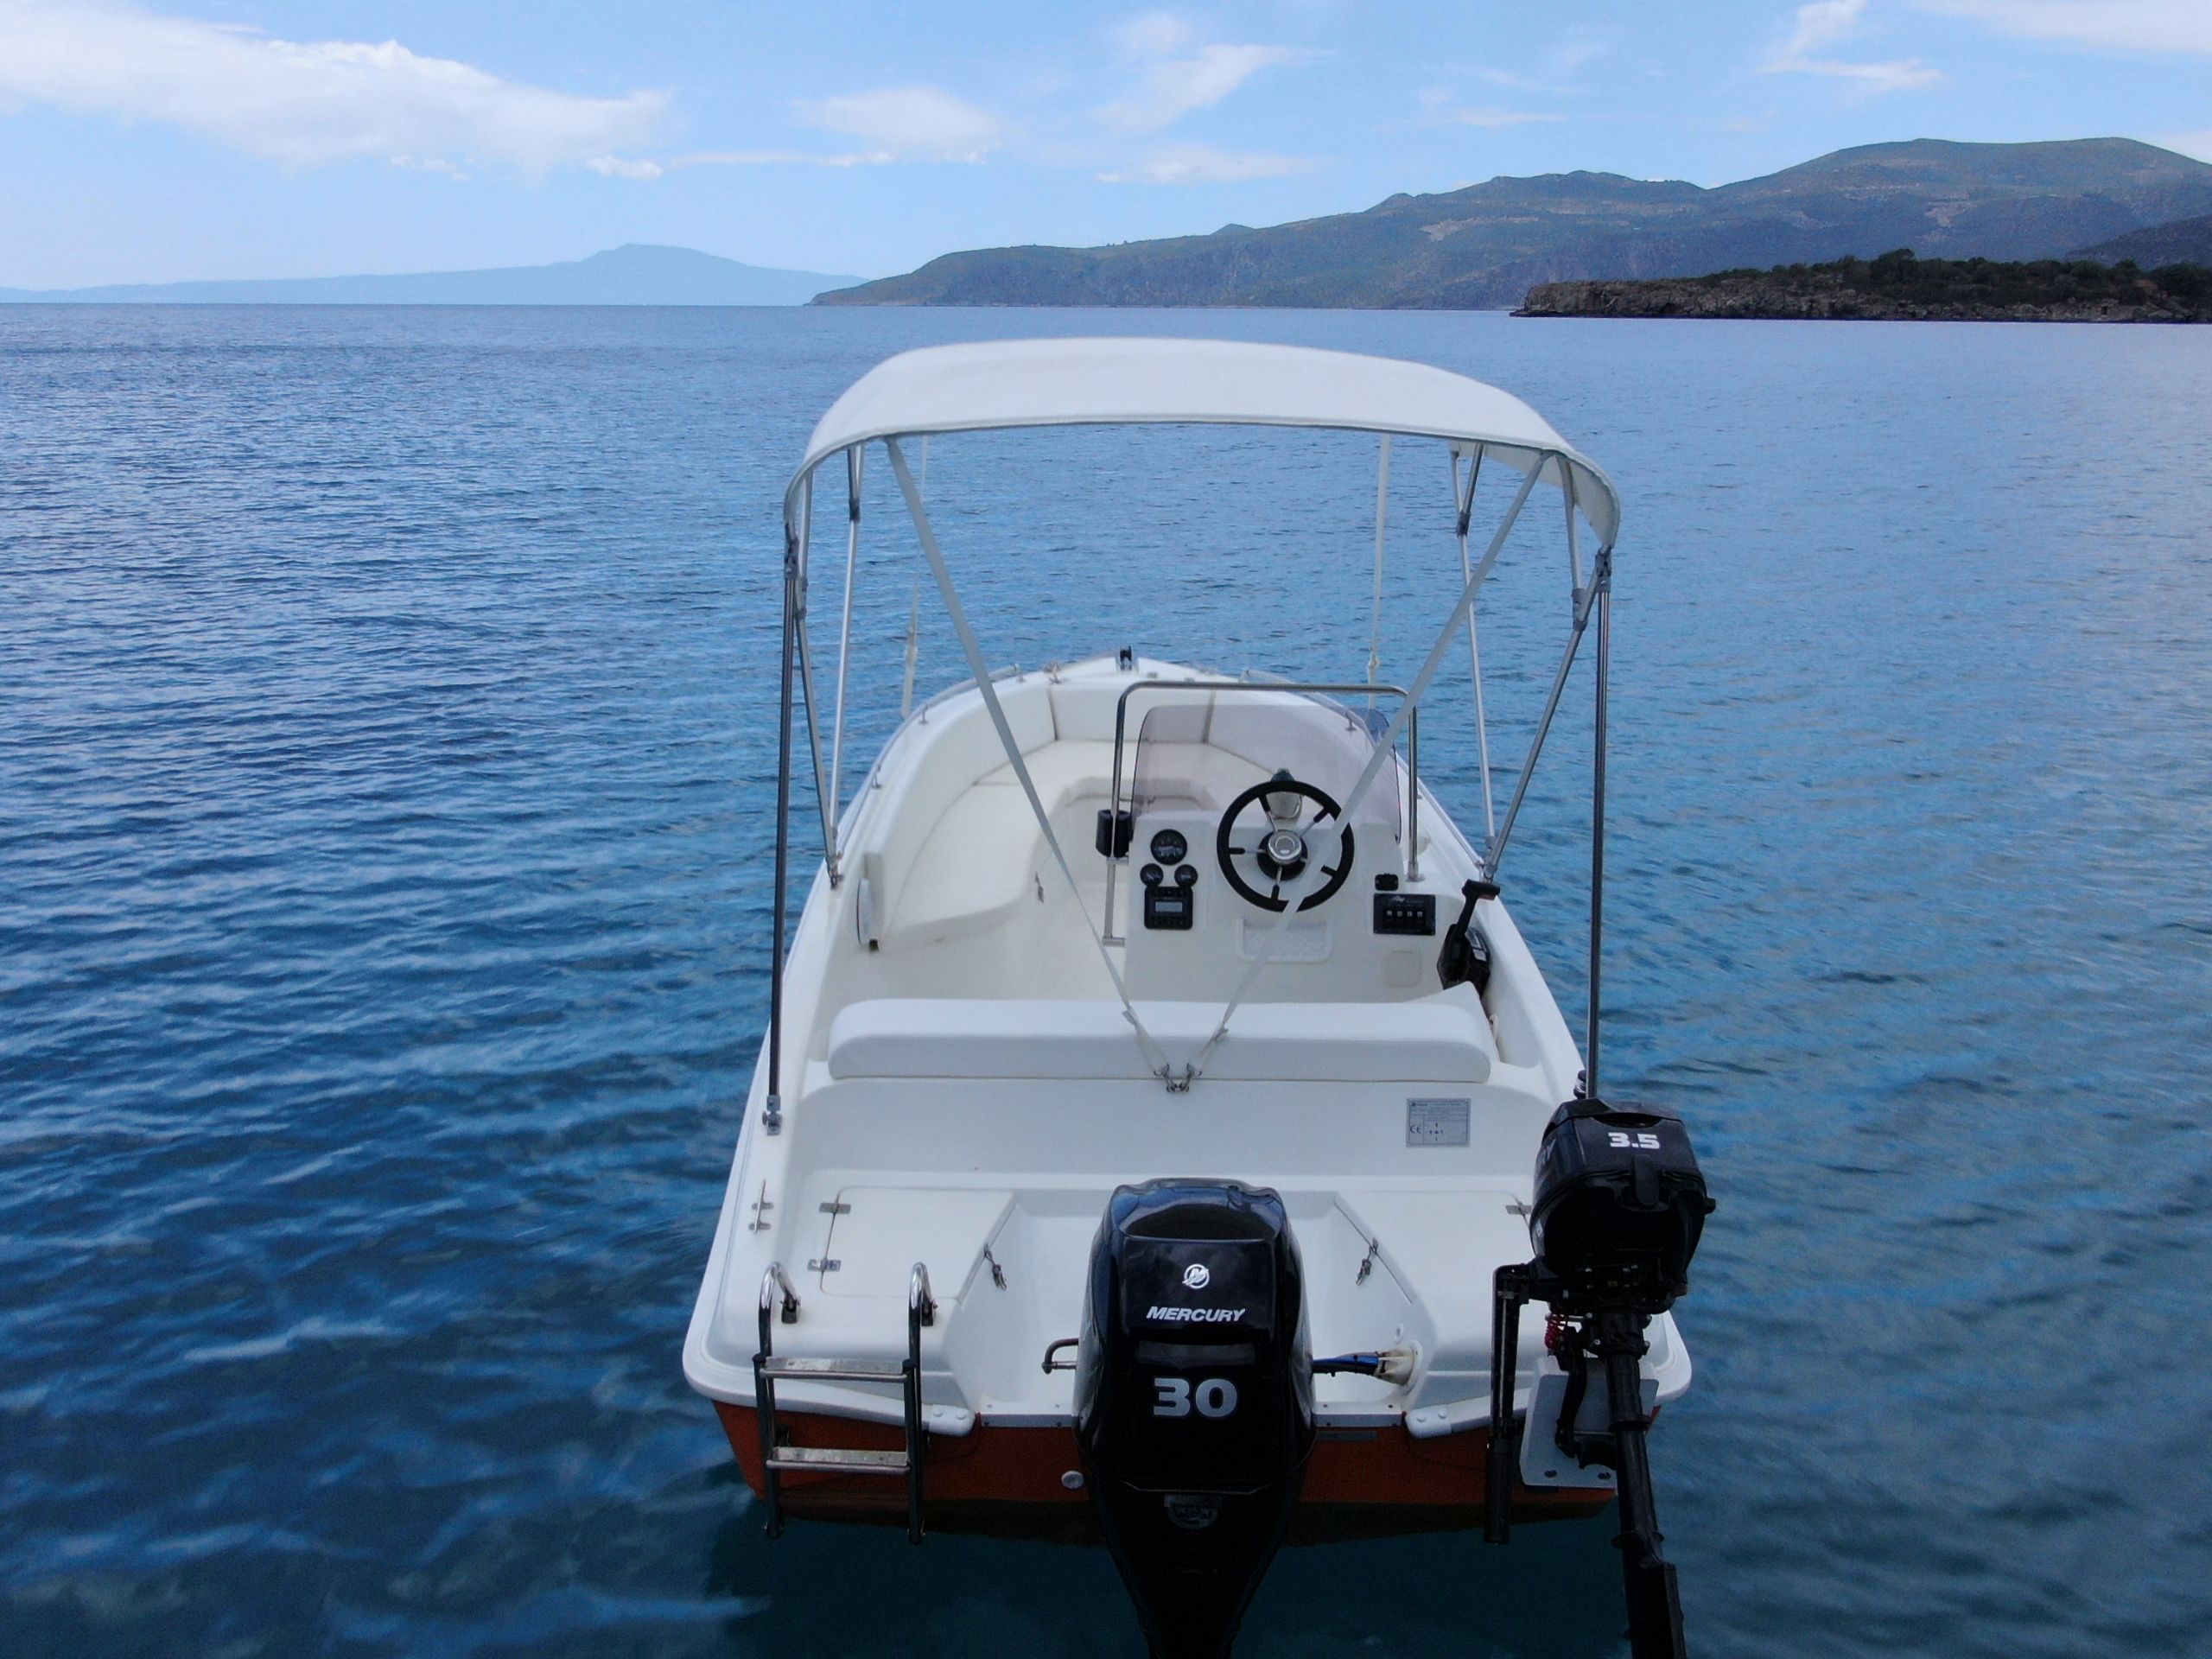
x: 1382, y: 528
x: 1465, y: 507
x: 973, y: 649
x: 1386, y: 747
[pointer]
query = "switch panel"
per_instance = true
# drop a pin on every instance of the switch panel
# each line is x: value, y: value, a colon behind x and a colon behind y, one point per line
x: 1405, y: 912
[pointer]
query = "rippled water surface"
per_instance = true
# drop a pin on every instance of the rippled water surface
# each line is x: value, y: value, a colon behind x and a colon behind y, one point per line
x: 387, y: 778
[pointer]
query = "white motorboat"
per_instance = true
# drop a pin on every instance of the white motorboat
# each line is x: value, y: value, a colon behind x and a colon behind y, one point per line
x: 1147, y: 1134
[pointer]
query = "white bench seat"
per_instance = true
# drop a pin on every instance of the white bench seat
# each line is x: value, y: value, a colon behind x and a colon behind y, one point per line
x: 980, y: 856
x: 1434, y: 1039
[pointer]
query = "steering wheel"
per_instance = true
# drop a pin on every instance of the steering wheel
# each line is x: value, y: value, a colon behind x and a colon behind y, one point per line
x: 1275, y: 848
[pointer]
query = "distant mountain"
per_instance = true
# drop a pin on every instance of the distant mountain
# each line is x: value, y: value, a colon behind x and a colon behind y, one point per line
x: 2180, y: 242
x: 632, y: 274
x: 1488, y: 244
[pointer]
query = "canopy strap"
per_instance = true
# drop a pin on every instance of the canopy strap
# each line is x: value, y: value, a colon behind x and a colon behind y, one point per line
x: 1386, y: 748
x: 1153, y: 1056
x: 1465, y: 506
x: 1382, y: 529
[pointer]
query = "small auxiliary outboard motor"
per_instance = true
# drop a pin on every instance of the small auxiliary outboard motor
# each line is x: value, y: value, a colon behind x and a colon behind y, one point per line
x: 1620, y: 1206
x: 1194, y: 1400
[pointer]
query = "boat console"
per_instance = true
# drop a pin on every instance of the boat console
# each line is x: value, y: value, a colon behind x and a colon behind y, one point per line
x: 1239, y: 852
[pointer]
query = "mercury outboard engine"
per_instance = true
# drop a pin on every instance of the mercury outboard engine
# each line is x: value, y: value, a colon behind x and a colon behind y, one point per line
x: 1194, y: 1400
x: 1620, y: 1206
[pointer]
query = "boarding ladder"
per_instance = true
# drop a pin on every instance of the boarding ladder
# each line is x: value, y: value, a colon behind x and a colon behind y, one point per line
x: 778, y: 1301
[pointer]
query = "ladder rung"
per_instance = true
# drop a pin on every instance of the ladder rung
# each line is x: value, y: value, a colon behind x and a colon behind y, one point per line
x: 832, y: 1460
x: 807, y: 1369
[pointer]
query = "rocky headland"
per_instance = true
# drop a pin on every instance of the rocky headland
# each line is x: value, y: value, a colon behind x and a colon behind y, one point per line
x: 1900, y: 287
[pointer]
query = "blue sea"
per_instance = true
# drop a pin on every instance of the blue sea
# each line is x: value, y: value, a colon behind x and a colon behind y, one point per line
x: 387, y: 785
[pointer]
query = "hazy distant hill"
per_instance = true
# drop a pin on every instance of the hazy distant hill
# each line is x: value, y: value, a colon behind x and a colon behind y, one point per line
x: 634, y: 274
x: 1489, y: 243
x: 2183, y: 241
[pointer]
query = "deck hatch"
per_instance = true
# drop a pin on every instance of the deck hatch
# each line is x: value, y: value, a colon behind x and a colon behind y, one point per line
x: 877, y: 1233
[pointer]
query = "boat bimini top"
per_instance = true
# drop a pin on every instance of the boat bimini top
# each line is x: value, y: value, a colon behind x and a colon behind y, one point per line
x: 1003, y: 385
x: 1018, y: 382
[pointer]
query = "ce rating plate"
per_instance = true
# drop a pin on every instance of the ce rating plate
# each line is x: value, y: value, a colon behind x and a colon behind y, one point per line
x: 1434, y: 1122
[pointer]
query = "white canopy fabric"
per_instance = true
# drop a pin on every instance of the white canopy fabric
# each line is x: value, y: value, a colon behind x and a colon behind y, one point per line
x: 1079, y: 382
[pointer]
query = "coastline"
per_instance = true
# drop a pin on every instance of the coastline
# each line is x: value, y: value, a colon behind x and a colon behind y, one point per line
x: 1896, y: 287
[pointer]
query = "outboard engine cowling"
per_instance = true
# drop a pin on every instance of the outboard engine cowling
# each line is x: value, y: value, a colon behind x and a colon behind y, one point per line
x: 1618, y: 1207
x: 1194, y: 1400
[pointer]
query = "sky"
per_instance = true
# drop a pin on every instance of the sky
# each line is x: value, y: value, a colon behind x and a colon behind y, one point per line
x: 235, y: 138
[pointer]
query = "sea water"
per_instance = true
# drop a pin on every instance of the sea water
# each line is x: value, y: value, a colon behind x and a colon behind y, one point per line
x: 386, y: 790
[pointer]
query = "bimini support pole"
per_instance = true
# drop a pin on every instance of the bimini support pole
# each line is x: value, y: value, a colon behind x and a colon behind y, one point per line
x: 1465, y: 505
x: 806, y: 684
x: 1261, y: 946
x: 1585, y: 601
x: 1382, y: 534
x: 853, y: 457
x: 1601, y: 578
x: 771, y: 1116
x: 913, y: 650
x: 1155, y: 1060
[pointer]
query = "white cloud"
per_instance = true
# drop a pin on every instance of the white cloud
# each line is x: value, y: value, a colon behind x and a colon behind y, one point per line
x: 1155, y: 35
x: 2198, y: 144
x: 781, y: 158
x: 1438, y: 110
x: 1203, y: 164
x: 1515, y: 83
x: 1823, y: 24
x: 428, y: 164
x: 1489, y: 119
x: 919, y: 121
x: 1580, y: 46
x: 305, y: 103
x: 1170, y: 88
x: 2159, y: 26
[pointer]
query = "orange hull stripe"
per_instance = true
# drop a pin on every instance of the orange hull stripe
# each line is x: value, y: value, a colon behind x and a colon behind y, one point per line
x: 998, y: 1465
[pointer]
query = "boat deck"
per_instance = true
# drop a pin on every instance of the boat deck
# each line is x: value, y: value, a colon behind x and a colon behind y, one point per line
x: 963, y: 1089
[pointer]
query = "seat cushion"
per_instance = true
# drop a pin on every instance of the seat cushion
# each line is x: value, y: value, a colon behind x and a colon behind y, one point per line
x: 1435, y: 1039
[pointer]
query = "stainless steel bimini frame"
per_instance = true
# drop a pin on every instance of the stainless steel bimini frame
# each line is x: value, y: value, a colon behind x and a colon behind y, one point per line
x: 1259, y: 396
